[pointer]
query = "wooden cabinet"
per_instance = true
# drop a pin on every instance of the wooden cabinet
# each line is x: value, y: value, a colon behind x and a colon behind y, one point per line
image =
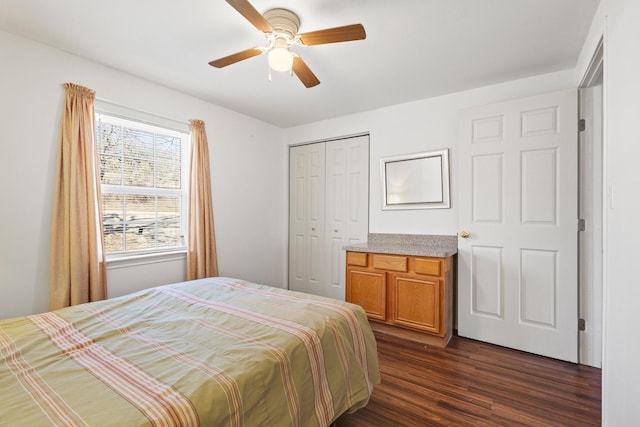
x: 405, y: 296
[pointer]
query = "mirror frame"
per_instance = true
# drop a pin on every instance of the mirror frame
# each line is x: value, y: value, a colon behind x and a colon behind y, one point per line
x: 442, y: 203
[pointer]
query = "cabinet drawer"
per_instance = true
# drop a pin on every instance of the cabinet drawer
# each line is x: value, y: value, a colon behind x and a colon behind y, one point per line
x: 390, y: 262
x: 357, y: 258
x: 431, y: 267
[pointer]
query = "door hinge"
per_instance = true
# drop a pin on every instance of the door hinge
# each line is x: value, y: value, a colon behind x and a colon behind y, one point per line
x: 582, y: 225
x: 582, y: 125
x: 582, y: 325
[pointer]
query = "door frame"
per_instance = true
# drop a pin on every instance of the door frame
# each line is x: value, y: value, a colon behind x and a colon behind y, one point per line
x: 592, y: 275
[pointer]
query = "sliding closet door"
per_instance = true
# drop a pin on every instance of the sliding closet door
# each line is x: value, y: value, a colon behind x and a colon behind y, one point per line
x: 328, y: 209
x: 347, y: 203
x: 306, y: 217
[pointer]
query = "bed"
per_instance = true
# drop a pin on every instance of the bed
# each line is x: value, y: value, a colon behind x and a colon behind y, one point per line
x: 210, y: 352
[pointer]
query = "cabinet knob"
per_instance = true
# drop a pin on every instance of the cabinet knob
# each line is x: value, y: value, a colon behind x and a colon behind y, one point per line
x: 464, y: 234
x: 313, y: 229
x: 335, y: 230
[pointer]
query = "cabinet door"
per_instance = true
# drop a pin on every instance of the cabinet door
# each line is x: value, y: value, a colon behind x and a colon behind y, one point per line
x: 368, y: 289
x: 416, y: 302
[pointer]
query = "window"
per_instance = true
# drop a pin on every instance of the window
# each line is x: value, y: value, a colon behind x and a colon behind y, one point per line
x: 143, y: 182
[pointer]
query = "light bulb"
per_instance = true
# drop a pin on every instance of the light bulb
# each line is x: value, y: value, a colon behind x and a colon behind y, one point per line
x: 280, y: 59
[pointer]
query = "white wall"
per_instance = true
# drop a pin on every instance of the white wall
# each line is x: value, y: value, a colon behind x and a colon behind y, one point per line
x: 248, y: 163
x: 420, y: 126
x: 618, y: 21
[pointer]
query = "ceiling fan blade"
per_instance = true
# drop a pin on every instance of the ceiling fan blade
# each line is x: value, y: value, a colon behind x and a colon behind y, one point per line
x: 236, y: 57
x: 251, y: 14
x: 304, y: 73
x: 334, y: 35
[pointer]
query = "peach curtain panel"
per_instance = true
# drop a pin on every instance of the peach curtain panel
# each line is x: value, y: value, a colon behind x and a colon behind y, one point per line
x: 202, y: 260
x: 77, y: 271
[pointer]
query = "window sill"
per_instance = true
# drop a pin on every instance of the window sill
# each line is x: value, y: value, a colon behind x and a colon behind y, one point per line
x: 145, y: 259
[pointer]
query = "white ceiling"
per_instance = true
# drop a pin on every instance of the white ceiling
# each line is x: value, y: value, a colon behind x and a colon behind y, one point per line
x: 414, y: 49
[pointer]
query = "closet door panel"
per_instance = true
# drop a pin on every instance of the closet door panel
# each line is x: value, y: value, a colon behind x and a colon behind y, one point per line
x: 335, y: 205
x: 306, y: 217
x: 315, y: 202
x: 297, y: 218
x: 357, y: 187
x: 347, y: 203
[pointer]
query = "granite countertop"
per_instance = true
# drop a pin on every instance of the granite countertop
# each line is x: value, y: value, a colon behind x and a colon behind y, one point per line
x: 408, y: 244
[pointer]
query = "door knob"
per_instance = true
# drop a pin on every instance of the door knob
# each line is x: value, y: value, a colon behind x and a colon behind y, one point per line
x: 464, y: 234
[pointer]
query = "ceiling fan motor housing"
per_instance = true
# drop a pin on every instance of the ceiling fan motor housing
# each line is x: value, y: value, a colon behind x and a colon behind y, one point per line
x: 284, y: 22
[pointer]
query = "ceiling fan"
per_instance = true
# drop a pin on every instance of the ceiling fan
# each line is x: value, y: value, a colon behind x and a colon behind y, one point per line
x: 280, y: 27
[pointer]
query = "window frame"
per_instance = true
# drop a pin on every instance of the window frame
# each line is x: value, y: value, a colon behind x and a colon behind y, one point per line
x: 146, y: 122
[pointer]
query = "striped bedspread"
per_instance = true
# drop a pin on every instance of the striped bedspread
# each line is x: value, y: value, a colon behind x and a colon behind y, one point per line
x: 210, y: 352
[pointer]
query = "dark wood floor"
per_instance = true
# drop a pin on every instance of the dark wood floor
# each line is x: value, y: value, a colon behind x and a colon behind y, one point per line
x: 470, y: 383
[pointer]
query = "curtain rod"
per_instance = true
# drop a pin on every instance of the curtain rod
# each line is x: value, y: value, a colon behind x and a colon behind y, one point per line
x: 126, y: 107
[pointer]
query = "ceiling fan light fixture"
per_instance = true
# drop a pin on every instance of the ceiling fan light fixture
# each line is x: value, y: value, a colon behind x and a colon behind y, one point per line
x: 280, y: 27
x: 280, y: 59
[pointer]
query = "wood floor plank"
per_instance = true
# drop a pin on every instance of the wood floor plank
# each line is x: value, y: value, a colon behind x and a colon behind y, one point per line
x: 470, y: 383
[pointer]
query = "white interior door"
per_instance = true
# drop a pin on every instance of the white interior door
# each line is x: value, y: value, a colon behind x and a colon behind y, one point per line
x: 347, y: 202
x: 517, y: 269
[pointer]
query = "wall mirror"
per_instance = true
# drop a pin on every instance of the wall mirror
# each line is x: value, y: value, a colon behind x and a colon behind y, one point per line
x: 416, y: 181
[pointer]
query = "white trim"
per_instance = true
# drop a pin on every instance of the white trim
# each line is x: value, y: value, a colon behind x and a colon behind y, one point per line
x: 591, y: 341
x: 126, y: 261
x: 590, y: 240
x: 334, y: 138
x: 605, y: 220
x: 595, y: 66
x: 589, y: 45
x: 114, y: 109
